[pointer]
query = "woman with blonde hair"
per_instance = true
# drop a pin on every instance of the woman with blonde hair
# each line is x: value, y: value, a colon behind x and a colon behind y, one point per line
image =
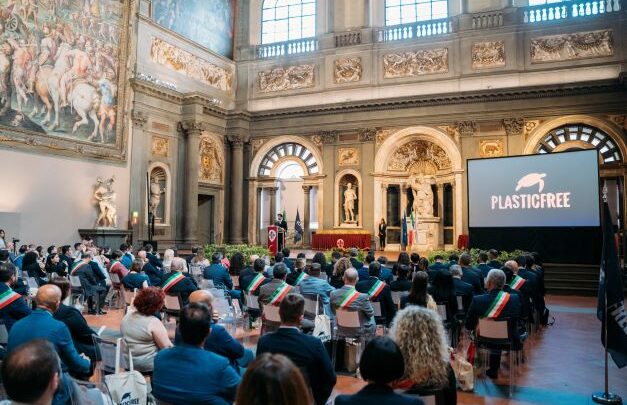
x: 420, y: 335
x: 168, y: 255
x: 340, y: 267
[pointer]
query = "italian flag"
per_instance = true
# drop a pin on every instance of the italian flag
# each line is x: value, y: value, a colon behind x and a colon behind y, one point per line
x: 255, y: 283
x: 349, y: 298
x: 7, y: 297
x: 279, y: 294
x: 172, y: 281
x: 517, y: 282
x: 497, y: 305
x: 301, y: 277
x: 376, y: 289
x: 411, y: 231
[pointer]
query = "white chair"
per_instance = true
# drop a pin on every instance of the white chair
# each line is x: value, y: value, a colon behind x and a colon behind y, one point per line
x: 221, y: 306
x: 311, y: 306
x: 376, y: 306
x: 77, y: 290
x: 495, y: 335
x: 271, y: 313
x: 396, y: 298
x: 128, y: 296
x: 349, y: 325
x: 442, y: 312
x: 172, y: 307
x: 252, y: 302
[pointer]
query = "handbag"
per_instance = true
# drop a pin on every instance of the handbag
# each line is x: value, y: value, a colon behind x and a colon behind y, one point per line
x: 322, y: 325
x: 128, y: 387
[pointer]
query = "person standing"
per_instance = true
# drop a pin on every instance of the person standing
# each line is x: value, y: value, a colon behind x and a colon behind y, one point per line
x: 383, y: 228
x: 281, y: 223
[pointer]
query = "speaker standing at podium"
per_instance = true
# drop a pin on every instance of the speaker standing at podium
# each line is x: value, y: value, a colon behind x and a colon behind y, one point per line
x: 282, y: 224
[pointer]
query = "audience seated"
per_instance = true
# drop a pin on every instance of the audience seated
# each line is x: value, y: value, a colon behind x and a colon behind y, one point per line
x: 19, y: 260
x: 418, y: 294
x: 168, y: 255
x: 437, y: 265
x: 442, y: 290
x: 127, y: 258
x: 462, y: 288
x: 520, y: 285
x: 306, y: 351
x: 378, y: 291
x: 314, y: 285
x: 386, y: 273
x: 136, y: 279
x: 321, y: 259
x: 116, y: 267
x: 482, y: 264
x: 198, y: 258
x: 356, y: 264
x: 55, y: 265
x: 188, y: 374
x: 250, y: 282
x: 335, y: 257
x: 66, y: 256
x: 13, y: 307
x: 41, y: 325
x: 82, y: 334
x: 495, y: 304
x: 380, y: 366
x: 154, y: 273
x: 402, y: 282
x: 31, y: 265
x: 415, y: 262
x: 493, y: 262
x: 299, y: 274
x: 273, y: 292
x: 350, y: 299
x: 143, y: 332
x: 273, y: 379
x: 470, y: 275
x: 94, y: 291
x: 420, y: 335
x: 178, y: 281
x: 153, y: 258
x: 287, y: 261
x: 218, y: 273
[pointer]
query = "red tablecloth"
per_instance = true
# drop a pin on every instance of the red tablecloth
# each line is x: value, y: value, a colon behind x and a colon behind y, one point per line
x: 329, y: 241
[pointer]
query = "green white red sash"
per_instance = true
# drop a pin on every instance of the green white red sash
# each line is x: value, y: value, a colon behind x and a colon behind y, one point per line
x: 280, y: 293
x: 301, y: 277
x: 255, y: 283
x: 78, y: 266
x: 376, y: 289
x: 7, y: 297
x: 517, y: 282
x: 349, y: 298
x: 173, y: 280
x: 497, y: 305
x: 123, y: 270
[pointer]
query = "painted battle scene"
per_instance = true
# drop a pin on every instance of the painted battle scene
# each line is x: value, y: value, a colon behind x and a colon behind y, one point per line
x: 59, y: 67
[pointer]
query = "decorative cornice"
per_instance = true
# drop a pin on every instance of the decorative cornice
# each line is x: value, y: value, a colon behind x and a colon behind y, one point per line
x: 466, y: 128
x: 236, y: 141
x: 367, y: 134
x: 514, y: 126
x: 190, y: 127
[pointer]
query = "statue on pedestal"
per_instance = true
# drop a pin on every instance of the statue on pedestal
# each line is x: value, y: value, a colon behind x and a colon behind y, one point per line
x: 104, y: 194
x: 423, y: 197
x: 349, y: 204
x: 155, y: 196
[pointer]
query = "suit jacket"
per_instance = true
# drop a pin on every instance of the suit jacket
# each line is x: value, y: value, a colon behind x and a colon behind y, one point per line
x: 184, y: 287
x: 127, y: 260
x: 186, y: 375
x: 245, y: 279
x: 388, y: 308
x: 356, y: 263
x: 481, y: 303
x: 484, y: 269
x: 246, y: 271
x: 289, y: 264
x: 386, y: 275
x: 135, y: 281
x: 154, y: 260
x: 41, y: 325
x: 382, y: 230
x: 470, y: 277
x: 219, y: 342
x: 361, y: 304
x: 308, y: 353
x: 363, y: 273
x: 88, y: 279
x: 495, y: 264
x: 291, y: 278
x: 98, y: 274
x: 376, y: 394
x: 15, y: 311
x: 82, y: 334
x: 464, y: 290
x: 265, y: 291
x: 154, y: 274
x: 67, y: 259
x: 218, y: 274
x: 400, y: 285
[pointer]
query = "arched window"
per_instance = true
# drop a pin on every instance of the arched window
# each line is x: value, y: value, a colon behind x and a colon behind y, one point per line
x: 579, y: 136
x: 410, y: 11
x: 286, y: 20
x: 280, y: 153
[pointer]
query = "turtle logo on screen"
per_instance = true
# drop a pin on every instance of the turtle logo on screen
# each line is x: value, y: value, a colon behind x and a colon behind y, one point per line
x: 531, y: 180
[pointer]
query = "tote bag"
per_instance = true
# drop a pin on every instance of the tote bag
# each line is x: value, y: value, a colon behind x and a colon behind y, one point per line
x: 128, y: 387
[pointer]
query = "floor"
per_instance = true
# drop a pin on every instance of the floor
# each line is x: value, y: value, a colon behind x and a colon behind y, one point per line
x: 564, y: 362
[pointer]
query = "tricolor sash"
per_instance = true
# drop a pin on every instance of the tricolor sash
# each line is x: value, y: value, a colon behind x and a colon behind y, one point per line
x: 301, y: 277
x: 255, y: 283
x: 497, y: 305
x: 280, y: 293
x: 77, y: 266
x: 376, y: 289
x: 123, y: 271
x: 517, y: 282
x: 349, y: 298
x: 7, y: 297
x: 173, y: 280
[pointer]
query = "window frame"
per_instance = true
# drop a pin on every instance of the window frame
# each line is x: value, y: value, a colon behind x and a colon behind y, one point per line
x: 415, y: 3
x: 295, y: 20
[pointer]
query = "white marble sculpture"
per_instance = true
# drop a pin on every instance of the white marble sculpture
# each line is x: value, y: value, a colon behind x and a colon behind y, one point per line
x: 104, y: 194
x: 422, y: 206
x: 155, y: 196
x: 349, y: 204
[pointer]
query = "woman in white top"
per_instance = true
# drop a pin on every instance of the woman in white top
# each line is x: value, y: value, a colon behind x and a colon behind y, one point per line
x: 144, y: 333
x: 168, y: 255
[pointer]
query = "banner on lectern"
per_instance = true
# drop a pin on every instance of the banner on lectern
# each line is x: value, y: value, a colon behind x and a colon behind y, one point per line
x: 273, y: 236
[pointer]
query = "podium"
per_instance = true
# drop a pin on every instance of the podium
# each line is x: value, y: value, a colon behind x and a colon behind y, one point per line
x: 273, y: 239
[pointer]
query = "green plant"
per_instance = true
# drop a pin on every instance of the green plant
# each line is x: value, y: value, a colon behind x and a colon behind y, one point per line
x: 229, y: 250
x: 361, y: 254
x: 474, y: 253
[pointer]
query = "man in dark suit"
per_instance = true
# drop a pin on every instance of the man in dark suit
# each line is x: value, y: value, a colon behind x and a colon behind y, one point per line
x: 12, y: 305
x: 470, y: 275
x: 286, y: 259
x: 298, y: 274
x: 152, y: 257
x: 154, y: 274
x: 178, y: 282
x: 493, y: 255
x: 245, y: 278
x: 453, y: 258
x: 386, y: 272
x: 495, y: 304
x: 482, y: 265
x: 94, y: 291
x: 349, y: 298
x: 462, y: 288
x: 266, y: 291
x: 65, y: 256
x: 307, y: 352
x: 364, y: 271
x: 356, y: 263
x: 41, y: 325
x: 437, y: 265
x: 282, y: 224
x: 379, y: 292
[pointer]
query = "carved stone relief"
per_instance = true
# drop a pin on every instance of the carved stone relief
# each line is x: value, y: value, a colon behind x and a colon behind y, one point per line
x: 211, y: 161
x: 160, y: 146
x: 423, y: 62
x: 381, y: 136
x: 367, y: 134
x: 287, y: 78
x: 466, y: 128
x: 488, y: 54
x: 347, y: 70
x: 168, y: 55
x: 348, y: 156
x: 514, y: 126
x: 529, y: 127
x: 415, y: 151
x: 491, y: 148
x: 580, y: 45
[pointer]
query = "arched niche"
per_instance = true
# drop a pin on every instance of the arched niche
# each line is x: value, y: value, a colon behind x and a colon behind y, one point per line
x: 354, y: 193
x: 159, y: 193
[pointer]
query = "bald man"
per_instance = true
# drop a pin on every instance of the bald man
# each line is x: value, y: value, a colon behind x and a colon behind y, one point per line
x: 219, y: 340
x: 41, y: 325
x: 348, y: 298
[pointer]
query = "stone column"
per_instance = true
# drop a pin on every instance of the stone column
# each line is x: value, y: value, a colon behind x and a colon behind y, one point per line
x: 237, y: 181
x: 403, y: 200
x: 272, y: 191
x: 384, y: 205
x: 192, y: 154
x: 440, y: 194
x: 306, y: 215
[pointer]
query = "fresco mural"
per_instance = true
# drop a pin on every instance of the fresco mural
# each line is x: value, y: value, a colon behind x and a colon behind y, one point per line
x: 207, y: 22
x: 59, y: 67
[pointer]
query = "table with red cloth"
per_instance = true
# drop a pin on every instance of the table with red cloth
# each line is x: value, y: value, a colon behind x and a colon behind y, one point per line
x: 325, y: 240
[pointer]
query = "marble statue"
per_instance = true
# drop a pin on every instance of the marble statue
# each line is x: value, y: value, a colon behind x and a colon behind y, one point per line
x: 349, y: 204
x: 104, y: 194
x: 155, y: 195
x: 423, y: 197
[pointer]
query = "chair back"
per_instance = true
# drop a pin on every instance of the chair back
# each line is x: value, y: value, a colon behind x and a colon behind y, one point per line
x: 491, y: 329
x: 396, y: 297
x: 32, y: 283
x: 221, y: 306
x: 237, y: 308
x: 460, y: 303
x: 114, y: 278
x: 348, y: 319
x: 107, y: 350
x: 377, y: 308
x: 312, y: 307
x: 206, y: 284
x: 75, y: 282
x: 172, y: 303
x: 442, y: 311
x: 271, y: 313
x: 129, y: 295
x: 252, y: 302
x: 4, y: 334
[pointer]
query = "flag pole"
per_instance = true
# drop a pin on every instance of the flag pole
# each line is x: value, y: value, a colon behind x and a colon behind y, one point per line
x: 606, y: 397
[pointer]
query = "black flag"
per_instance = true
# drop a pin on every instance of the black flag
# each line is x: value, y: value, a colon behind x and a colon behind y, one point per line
x: 611, y: 283
x: 298, y: 229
